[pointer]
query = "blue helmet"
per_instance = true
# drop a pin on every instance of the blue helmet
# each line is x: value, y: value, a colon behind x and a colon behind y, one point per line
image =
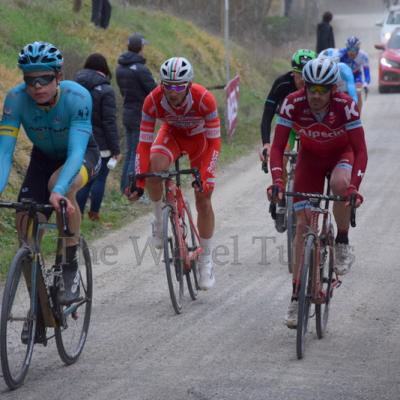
x: 331, y: 53
x: 39, y: 56
x: 353, y: 42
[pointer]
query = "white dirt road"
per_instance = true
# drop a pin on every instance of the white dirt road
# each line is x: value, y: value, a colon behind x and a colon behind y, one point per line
x: 231, y: 343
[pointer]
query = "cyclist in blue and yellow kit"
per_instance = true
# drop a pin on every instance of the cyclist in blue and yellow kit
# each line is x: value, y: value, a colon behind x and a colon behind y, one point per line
x: 56, y: 116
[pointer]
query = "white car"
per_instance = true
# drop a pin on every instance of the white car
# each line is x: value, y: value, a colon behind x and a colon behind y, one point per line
x: 390, y: 22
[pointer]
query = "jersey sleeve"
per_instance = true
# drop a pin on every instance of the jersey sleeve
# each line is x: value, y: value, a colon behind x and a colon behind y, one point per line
x: 280, y: 89
x: 282, y: 130
x: 9, y: 127
x: 79, y: 134
x: 357, y: 141
x: 213, y: 136
x: 146, y: 138
x: 347, y: 76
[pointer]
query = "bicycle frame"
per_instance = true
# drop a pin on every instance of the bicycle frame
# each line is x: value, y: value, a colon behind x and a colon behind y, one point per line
x: 174, y: 198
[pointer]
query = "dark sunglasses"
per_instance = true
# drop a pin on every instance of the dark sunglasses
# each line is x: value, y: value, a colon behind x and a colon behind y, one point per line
x: 42, y: 80
x: 176, y: 88
x: 320, y: 89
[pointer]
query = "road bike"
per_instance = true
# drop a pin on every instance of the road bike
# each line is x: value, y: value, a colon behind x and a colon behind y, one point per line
x: 316, y: 279
x: 30, y: 307
x: 180, y: 235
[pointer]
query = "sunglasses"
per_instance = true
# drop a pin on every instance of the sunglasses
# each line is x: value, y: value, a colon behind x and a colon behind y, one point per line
x: 352, y: 50
x: 42, y: 80
x: 176, y: 88
x: 320, y: 89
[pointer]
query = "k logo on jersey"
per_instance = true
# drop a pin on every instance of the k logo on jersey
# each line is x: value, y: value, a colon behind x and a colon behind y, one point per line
x: 287, y: 108
x: 351, y: 111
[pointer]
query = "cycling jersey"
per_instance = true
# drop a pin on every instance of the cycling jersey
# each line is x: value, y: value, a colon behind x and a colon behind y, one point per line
x: 323, y: 141
x: 359, y: 65
x: 346, y: 81
x: 194, y: 124
x: 61, y: 132
x: 282, y: 86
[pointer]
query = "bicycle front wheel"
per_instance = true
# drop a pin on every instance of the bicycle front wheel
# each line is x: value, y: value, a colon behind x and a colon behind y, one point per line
x: 326, y: 273
x: 192, y: 276
x: 173, y: 259
x: 17, y: 315
x: 72, y: 330
x: 305, y: 294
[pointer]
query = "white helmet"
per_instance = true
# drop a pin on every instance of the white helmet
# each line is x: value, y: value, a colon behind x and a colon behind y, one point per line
x: 176, y: 69
x: 331, y: 53
x: 321, y: 71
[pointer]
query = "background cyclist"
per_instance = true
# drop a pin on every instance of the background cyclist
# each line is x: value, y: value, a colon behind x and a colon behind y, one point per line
x: 282, y: 86
x: 345, y: 81
x: 357, y: 60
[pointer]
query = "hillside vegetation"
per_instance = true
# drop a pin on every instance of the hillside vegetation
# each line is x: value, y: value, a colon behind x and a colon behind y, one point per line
x: 24, y: 21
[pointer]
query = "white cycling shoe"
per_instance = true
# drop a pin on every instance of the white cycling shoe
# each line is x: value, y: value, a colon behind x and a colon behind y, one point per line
x: 206, y: 275
x: 291, y: 315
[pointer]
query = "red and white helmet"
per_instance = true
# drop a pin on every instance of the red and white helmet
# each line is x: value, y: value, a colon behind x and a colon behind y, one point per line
x: 176, y: 69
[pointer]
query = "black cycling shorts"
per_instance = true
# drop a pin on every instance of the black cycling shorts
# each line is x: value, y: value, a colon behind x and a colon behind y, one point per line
x: 41, y: 168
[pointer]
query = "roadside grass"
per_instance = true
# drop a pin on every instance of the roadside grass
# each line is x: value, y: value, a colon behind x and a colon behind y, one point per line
x: 168, y: 36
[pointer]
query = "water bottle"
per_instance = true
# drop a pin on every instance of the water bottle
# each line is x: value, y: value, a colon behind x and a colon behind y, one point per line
x: 112, y: 163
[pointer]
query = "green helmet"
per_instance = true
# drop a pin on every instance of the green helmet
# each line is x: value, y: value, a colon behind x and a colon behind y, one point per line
x: 301, y: 57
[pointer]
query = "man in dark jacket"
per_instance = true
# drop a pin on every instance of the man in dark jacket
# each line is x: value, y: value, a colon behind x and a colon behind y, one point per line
x: 135, y: 82
x: 325, y: 37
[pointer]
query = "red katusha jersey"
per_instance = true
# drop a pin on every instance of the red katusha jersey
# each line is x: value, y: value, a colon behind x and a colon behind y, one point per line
x: 339, y: 130
x: 198, y: 115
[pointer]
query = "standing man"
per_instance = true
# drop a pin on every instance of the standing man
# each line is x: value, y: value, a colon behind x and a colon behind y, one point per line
x: 135, y: 82
x: 325, y: 37
x: 101, y: 13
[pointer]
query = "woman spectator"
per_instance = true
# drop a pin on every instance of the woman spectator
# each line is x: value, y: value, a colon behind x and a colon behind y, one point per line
x: 95, y: 77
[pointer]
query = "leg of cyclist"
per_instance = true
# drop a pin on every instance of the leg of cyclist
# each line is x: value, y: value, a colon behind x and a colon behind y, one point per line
x: 339, y: 181
x: 205, y: 224
x: 359, y: 87
x: 158, y: 162
x: 70, y: 292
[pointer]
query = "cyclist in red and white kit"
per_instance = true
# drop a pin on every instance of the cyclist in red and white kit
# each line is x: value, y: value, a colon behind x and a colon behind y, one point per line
x: 331, y: 143
x: 190, y: 125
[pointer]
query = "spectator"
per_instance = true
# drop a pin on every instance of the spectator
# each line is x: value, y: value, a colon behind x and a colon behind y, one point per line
x: 95, y: 77
x: 135, y: 82
x: 101, y: 13
x: 325, y: 37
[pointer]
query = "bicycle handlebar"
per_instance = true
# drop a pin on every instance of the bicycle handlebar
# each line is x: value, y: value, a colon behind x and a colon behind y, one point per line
x: 169, y: 174
x: 331, y: 197
x: 32, y: 207
x: 309, y: 196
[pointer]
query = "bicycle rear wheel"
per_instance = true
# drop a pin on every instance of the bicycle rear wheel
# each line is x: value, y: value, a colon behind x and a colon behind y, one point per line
x: 326, y: 271
x: 305, y: 294
x: 291, y: 226
x: 71, y: 333
x: 173, y: 259
x: 192, y: 276
x: 16, y: 311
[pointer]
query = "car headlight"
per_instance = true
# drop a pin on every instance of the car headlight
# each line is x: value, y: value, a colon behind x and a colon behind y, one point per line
x: 386, y: 36
x: 389, y: 63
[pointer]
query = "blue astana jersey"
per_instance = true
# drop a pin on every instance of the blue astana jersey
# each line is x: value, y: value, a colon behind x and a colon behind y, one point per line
x: 61, y: 132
